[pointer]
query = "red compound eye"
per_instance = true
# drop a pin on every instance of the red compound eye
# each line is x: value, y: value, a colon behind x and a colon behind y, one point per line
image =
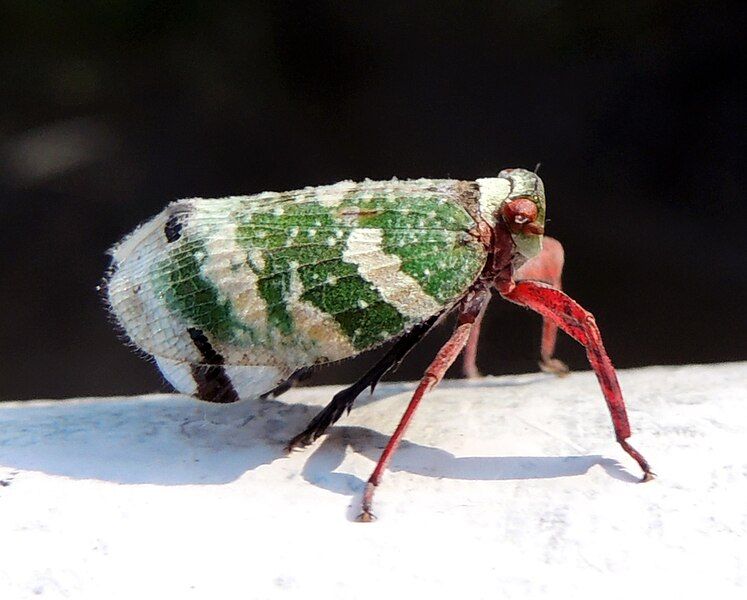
x: 520, y: 215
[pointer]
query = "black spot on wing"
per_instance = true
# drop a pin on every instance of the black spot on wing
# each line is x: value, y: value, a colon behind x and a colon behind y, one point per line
x: 213, y: 383
x: 205, y: 347
x: 173, y: 228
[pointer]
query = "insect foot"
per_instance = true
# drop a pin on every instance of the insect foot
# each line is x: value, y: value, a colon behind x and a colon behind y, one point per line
x: 367, y: 516
x: 300, y: 442
x: 648, y: 474
x: 554, y: 366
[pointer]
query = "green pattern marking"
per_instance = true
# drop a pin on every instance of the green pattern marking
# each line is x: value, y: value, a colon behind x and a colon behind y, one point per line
x: 195, y: 298
x: 286, y: 237
x: 309, y: 238
x: 429, y: 236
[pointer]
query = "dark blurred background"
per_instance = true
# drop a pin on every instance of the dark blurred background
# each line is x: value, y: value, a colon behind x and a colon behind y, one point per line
x: 109, y: 110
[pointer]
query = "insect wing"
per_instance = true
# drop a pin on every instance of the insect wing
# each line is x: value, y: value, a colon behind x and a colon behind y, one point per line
x: 293, y: 279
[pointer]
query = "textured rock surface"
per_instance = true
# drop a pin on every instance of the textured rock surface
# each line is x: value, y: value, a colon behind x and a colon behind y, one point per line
x: 506, y: 487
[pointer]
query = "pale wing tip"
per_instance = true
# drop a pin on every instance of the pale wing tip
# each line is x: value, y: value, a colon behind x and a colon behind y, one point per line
x: 248, y: 381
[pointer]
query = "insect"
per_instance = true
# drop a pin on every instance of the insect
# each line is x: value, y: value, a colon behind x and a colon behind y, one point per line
x: 239, y: 297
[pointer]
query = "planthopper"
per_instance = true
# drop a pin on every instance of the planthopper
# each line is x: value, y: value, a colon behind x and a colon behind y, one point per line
x: 239, y: 297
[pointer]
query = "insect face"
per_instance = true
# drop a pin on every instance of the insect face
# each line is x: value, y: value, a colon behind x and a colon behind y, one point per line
x: 523, y: 212
x: 520, y: 215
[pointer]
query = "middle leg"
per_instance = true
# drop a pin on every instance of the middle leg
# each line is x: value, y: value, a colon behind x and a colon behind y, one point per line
x: 470, y: 310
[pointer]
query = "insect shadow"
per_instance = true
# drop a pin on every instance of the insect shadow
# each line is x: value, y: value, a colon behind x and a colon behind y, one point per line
x: 173, y: 440
x: 428, y: 461
x: 164, y: 439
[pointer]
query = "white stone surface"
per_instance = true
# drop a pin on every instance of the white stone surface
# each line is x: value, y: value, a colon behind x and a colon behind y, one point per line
x: 509, y: 487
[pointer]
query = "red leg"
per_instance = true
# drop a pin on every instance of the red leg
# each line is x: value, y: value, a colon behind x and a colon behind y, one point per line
x: 547, y: 267
x: 446, y: 356
x: 566, y: 313
x: 469, y: 357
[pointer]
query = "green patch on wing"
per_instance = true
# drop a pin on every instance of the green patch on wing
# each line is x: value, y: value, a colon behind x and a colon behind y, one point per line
x: 286, y: 240
x: 310, y: 239
x: 188, y: 293
x: 430, y: 238
x: 354, y: 303
x: 296, y: 251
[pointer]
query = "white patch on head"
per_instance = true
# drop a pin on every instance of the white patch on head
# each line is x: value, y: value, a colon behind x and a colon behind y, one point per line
x: 494, y: 192
x: 364, y: 249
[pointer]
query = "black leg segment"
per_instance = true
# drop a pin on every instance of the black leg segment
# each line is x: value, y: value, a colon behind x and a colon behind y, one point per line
x: 343, y: 400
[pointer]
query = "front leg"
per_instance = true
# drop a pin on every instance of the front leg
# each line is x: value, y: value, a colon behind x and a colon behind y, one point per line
x: 547, y: 267
x: 469, y: 356
x: 567, y: 314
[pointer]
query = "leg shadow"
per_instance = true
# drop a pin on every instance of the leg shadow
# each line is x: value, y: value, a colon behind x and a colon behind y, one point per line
x: 429, y: 461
